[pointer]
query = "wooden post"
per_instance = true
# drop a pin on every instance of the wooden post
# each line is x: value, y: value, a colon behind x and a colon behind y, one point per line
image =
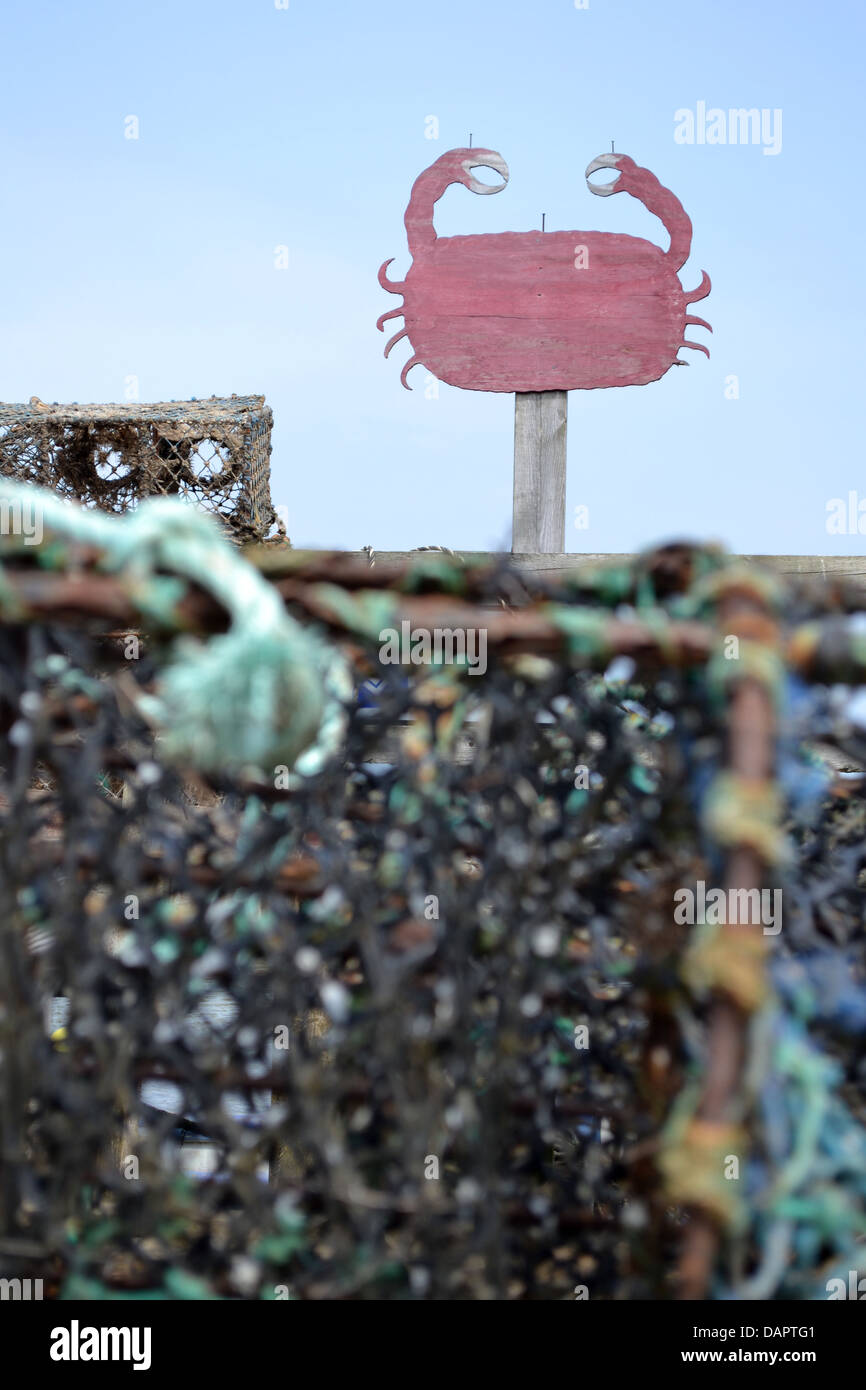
x: 540, y: 420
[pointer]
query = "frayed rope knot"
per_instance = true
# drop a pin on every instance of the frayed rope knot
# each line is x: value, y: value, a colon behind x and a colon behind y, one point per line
x: 696, y: 1165
x: 741, y: 812
x: 729, y: 961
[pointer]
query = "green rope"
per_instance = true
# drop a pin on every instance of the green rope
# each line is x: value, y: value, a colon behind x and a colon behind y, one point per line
x: 264, y: 694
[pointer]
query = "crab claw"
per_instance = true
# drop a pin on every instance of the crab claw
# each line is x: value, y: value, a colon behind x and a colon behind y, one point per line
x: 485, y: 159
x: 604, y: 161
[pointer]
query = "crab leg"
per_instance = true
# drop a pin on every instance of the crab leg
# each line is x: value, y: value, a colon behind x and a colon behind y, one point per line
x: 413, y: 362
x: 702, y: 322
x: 394, y: 313
x: 404, y: 332
x: 701, y: 292
x: 699, y: 347
x: 392, y: 286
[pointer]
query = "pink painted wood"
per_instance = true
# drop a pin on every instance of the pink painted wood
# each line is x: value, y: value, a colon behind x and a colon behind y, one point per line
x: 543, y: 311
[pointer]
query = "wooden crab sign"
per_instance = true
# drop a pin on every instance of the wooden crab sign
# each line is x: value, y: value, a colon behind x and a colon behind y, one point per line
x: 543, y: 311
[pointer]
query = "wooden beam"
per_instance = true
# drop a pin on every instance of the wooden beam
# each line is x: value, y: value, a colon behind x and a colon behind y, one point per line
x: 540, y: 420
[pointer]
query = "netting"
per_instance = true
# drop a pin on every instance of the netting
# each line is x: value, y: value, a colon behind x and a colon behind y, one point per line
x: 420, y: 1021
x: 214, y: 452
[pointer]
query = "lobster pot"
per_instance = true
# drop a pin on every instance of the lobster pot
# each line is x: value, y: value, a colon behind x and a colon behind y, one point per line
x: 214, y: 452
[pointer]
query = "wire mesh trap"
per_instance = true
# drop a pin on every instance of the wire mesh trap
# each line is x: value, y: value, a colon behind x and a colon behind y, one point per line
x: 428, y: 1007
x: 215, y: 453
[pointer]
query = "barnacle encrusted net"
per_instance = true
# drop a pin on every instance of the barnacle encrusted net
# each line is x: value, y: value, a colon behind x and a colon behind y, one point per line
x: 427, y: 1011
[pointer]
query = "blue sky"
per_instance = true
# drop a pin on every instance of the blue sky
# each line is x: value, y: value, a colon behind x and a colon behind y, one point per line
x: 305, y: 127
